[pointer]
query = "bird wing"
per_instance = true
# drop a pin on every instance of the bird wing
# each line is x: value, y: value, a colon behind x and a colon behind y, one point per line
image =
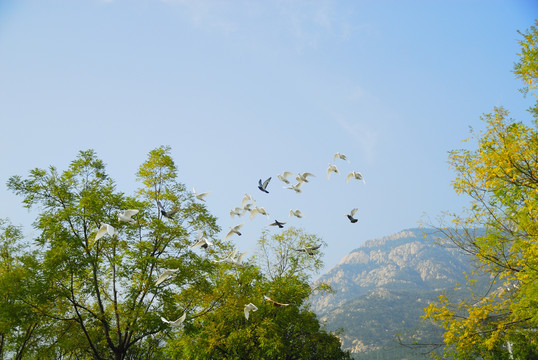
x: 350, y: 176
x: 198, y: 244
x: 181, y: 319
x: 353, y: 211
x: 101, y: 232
x: 161, y: 278
x: 164, y: 320
x: 266, y: 182
x: 240, y: 258
x: 314, y: 247
x: 130, y: 212
x: 159, y: 205
x: 110, y: 230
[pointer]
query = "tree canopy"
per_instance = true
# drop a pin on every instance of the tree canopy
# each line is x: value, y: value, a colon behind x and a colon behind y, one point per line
x: 500, y: 176
x: 101, y: 283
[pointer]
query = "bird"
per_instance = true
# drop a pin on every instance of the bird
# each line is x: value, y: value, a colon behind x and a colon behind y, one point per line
x: 296, y: 213
x: 237, y: 211
x: 296, y: 187
x: 330, y: 169
x: 248, y: 308
x: 200, y: 196
x: 202, y: 242
x: 125, y: 216
x: 247, y: 202
x: 177, y: 323
x: 275, y: 303
x: 263, y: 187
x: 284, y: 175
x: 230, y: 259
x: 167, y: 214
x: 355, y: 174
x: 258, y: 210
x: 340, y: 156
x: 308, y: 249
x: 233, y: 230
x: 167, y: 273
x: 105, y: 229
x: 303, y: 177
x: 350, y: 216
x: 278, y: 223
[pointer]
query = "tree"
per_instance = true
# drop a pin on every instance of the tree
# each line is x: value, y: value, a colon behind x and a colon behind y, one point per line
x: 271, y: 332
x: 501, y: 178
x: 100, y: 294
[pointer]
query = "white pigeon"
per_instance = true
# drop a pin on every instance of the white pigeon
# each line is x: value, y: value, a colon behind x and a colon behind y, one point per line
x: 275, y: 303
x: 125, y: 216
x: 230, y: 259
x: 296, y: 187
x: 105, y: 229
x: 258, y: 210
x: 283, y: 177
x: 248, y: 308
x: 202, y: 242
x: 167, y: 273
x: 177, y: 323
x: 233, y: 230
x: 296, y: 213
x: 330, y: 169
x: 247, y: 202
x: 355, y: 174
x: 303, y: 177
x: 340, y: 156
x: 237, y: 211
x: 200, y: 196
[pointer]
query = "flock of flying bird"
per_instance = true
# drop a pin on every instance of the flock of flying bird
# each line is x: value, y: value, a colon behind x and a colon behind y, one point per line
x: 248, y: 204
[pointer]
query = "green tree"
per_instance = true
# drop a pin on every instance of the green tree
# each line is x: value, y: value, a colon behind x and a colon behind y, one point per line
x: 99, y: 295
x: 271, y: 332
x: 501, y: 178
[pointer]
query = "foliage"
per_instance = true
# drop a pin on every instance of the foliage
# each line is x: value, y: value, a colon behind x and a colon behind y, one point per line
x: 527, y: 67
x: 103, y: 294
x: 79, y: 296
x: 501, y: 178
x: 286, y: 332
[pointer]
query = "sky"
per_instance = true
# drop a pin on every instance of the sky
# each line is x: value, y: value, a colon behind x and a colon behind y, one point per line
x: 245, y: 90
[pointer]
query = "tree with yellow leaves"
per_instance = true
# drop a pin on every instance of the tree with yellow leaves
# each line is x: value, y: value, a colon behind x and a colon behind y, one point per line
x: 500, y: 176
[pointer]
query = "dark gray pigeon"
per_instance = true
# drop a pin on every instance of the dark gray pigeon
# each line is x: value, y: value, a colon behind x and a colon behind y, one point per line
x: 263, y: 187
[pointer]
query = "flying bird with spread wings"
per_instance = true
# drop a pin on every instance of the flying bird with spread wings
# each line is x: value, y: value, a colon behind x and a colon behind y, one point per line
x: 278, y: 223
x: 167, y: 274
x: 275, y: 303
x: 340, y: 156
x: 104, y: 230
x: 331, y: 169
x: 125, y: 216
x: 263, y: 186
x: 167, y: 214
x: 350, y: 216
x: 234, y: 230
x: 177, y: 323
x: 355, y: 175
x: 284, y: 176
x: 308, y: 249
x: 296, y: 213
x: 200, y: 196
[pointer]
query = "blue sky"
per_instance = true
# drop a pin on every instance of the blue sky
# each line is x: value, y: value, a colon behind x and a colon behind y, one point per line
x: 243, y: 90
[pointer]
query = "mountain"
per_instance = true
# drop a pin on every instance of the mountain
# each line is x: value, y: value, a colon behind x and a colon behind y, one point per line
x: 382, y: 287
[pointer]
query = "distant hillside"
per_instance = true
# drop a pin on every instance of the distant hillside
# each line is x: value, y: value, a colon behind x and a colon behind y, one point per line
x: 382, y: 287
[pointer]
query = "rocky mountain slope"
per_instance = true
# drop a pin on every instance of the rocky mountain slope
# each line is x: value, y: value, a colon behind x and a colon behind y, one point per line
x: 382, y: 287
